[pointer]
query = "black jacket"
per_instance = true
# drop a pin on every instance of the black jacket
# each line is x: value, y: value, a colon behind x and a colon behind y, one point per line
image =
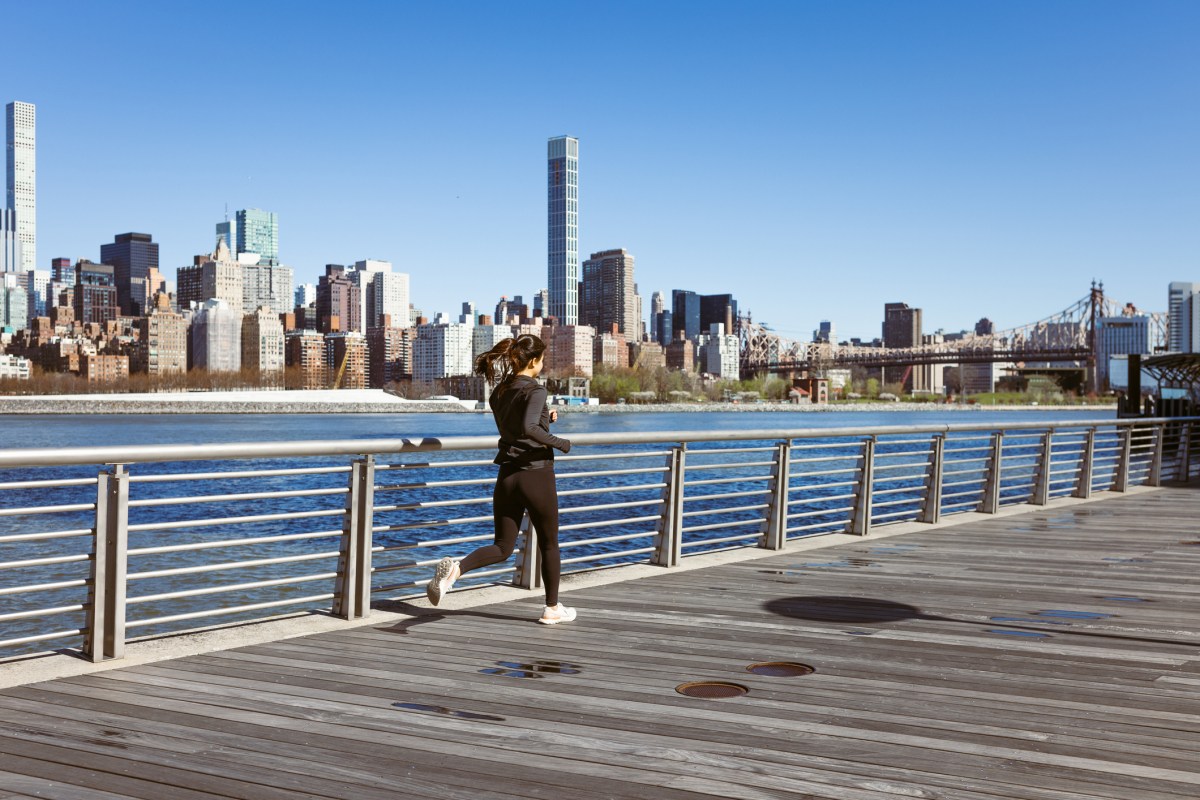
x: 519, y: 407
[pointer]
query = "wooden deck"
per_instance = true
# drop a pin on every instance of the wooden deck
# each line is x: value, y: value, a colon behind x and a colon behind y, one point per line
x: 963, y: 663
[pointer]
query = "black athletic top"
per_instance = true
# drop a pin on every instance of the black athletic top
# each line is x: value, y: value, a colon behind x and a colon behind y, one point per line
x: 519, y: 407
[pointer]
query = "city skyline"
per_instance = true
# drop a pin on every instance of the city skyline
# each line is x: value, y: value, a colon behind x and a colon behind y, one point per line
x: 973, y: 161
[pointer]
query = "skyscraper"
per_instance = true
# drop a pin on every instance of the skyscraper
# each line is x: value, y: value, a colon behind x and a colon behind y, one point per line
x: 1181, y: 333
x: 562, y: 214
x: 901, y: 329
x: 258, y: 232
x: 22, y: 177
x: 10, y: 242
x: 132, y: 256
x: 685, y: 312
x: 609, y: 294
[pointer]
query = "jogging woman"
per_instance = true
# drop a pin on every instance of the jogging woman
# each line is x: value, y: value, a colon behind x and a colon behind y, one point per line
x: 526, y: 478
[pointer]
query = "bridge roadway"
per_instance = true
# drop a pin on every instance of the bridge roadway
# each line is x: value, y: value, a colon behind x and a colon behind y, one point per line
x: 1048, y: 655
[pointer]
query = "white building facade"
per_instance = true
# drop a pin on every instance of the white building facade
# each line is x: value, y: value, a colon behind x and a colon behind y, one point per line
x: 21, y: 151
x: 442, y: 350
x: 724, y: 353
x: 217, y: 337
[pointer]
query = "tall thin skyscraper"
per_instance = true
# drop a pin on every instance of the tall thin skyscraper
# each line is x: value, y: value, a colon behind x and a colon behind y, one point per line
x: 258, y: 232
x: 22, y: 177
x: 563, y: 228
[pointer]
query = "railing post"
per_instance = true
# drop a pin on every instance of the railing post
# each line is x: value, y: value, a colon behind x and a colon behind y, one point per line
x: 860, y: 523
x: 776, y: 532
x: 105, y: 637
x: 1083, y: 486
x: 352, y: 591
x: 528, y: 574
x: 1121, y: 478
x: 991, y: 487
x: 1156, y: 460
x: 931, y: 506
x: 668, y: 545
x: 1041, y: 485
x: 1185, y: 464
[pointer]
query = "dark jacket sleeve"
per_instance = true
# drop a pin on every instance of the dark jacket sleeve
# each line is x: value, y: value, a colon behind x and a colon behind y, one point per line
x: 535, y: 406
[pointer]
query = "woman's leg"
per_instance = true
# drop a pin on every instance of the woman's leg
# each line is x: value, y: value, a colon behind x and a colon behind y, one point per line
x: 541, y: 498
x: 507, y: 509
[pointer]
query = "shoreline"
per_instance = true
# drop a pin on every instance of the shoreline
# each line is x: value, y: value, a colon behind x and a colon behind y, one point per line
x: 376, y: 401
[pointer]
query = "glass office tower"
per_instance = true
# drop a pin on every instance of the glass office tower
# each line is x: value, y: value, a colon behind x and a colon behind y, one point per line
x: 563, y: 228
x: 258, y: 232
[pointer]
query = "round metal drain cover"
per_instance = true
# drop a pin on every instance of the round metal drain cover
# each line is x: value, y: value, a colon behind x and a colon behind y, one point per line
x: 711, y: 690
x: 780, y: 669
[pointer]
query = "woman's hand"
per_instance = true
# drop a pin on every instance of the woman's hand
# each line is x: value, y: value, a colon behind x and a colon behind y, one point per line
x: 553, y: 415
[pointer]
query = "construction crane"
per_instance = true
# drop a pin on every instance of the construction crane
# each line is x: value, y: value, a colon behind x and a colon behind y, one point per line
x: 341, y: 371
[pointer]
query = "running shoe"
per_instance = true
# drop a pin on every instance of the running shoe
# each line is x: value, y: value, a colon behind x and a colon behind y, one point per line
x: 440, y: 583
x: 556, y: 614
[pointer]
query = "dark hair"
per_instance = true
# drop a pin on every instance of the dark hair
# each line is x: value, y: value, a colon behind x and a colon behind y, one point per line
x: 509, y: 357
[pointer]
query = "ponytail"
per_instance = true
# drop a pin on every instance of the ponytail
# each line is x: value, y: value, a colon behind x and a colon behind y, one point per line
x: 509, y: 357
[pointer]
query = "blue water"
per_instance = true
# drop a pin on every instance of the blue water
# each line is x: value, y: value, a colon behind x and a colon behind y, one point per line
x: 406, y: 487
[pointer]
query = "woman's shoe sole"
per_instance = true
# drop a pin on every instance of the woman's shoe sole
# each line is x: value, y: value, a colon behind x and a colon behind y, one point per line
x: 433, y: 590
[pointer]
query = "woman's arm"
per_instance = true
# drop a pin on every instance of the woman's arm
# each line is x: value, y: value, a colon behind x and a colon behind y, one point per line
x: 532, y: 422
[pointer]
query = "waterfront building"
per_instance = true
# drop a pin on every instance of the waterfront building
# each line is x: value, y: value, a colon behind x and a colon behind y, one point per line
x: 267, y: 285
x: 978, y: 378
x: 162, y: 347
x: 15, y: 368
x: 21, y: 151
x: 569, y: 350
x: 132, y: 256
x: 609, y: 294
x: 901, y: 329
x: 305, y: 353
x: 217, y: 337
x: 262, y: 342
x: 1128, y: 334
x: 442, y: 350
x: 563, y: 228
x: 1183, y: 317
x: 610, y: 348
x: 382, y: 293
x: 339, y: 301
x: 10, y: 243
x: 685, y: 314
x: 719, y: 309
x: 485, y: 336
x: 14, y: 304
x: 929, y: 378
x: 258, y: 232
x: 96, y: 368
x: 346, y: 359
x: 390, y: 353
x: 722, y: 353
x: 681, y: 353
x: 95, y: 296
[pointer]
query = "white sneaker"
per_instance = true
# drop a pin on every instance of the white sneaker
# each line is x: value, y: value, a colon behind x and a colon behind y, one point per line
x: 441, y: 581
x: 556, y: 614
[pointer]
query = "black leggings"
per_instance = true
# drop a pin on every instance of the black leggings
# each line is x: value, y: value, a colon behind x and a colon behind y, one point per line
x: 516, y: 492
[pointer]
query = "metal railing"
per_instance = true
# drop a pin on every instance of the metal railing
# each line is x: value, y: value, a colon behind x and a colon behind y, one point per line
x: 142, y: 545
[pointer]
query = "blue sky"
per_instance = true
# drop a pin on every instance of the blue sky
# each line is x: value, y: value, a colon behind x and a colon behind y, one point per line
x: 816, y: 159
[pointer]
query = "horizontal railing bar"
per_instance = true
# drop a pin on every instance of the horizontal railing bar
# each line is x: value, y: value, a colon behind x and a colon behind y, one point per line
x: 806, y: 501
x: 234, y: 474
x: 857, y: 443
x: 409, y: 465
x: 962, y: 483
x: 233, y: 587
x: 607, y: 523
x: 721, y: 540
x: 34, y: 510
x: 39, y: 537
x: 262, y: 562
x: 728, y: 510
x: 823, y: 472
x: 610, y: 456
x: 611, y: 489
x: 712, y: 451
x: 891, y: 503
x: 949, y: 450
x: 836, y: 523
x: 892, y: 515
x: 909, y: 464
x: 205, y: 523
x: 42, y: 587
x: 624, y: 537
x: 41, y: 612
x: 975, y: 471
x: 715, y: 525
x: 969, y: 504
x: 466, y: 501
x: 226, y: 498
x: 41, y: 637
x: 922, y: 452
x: 960, y: 494
x: 408, y: 487
x: 179, y: 548
x: 819, y: 512
x: 607, y: 472
x: 221, y: 612
x: 632, y: 504
x: 833, y: 485
x: 430, y: 543
x: 712, y: 481
x: 731, y: 465
x: 624, y: 553
x: 898, y: 490
x: 726, y: 495
x: 479, y: 573
x: 49, y: 484
x: 43, y: 562
x: 847, y: 457
x: 1017, y: 486
x: 435, y: 523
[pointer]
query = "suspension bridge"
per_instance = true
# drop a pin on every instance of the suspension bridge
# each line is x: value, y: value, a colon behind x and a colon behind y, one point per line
x: 1069, y: 336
